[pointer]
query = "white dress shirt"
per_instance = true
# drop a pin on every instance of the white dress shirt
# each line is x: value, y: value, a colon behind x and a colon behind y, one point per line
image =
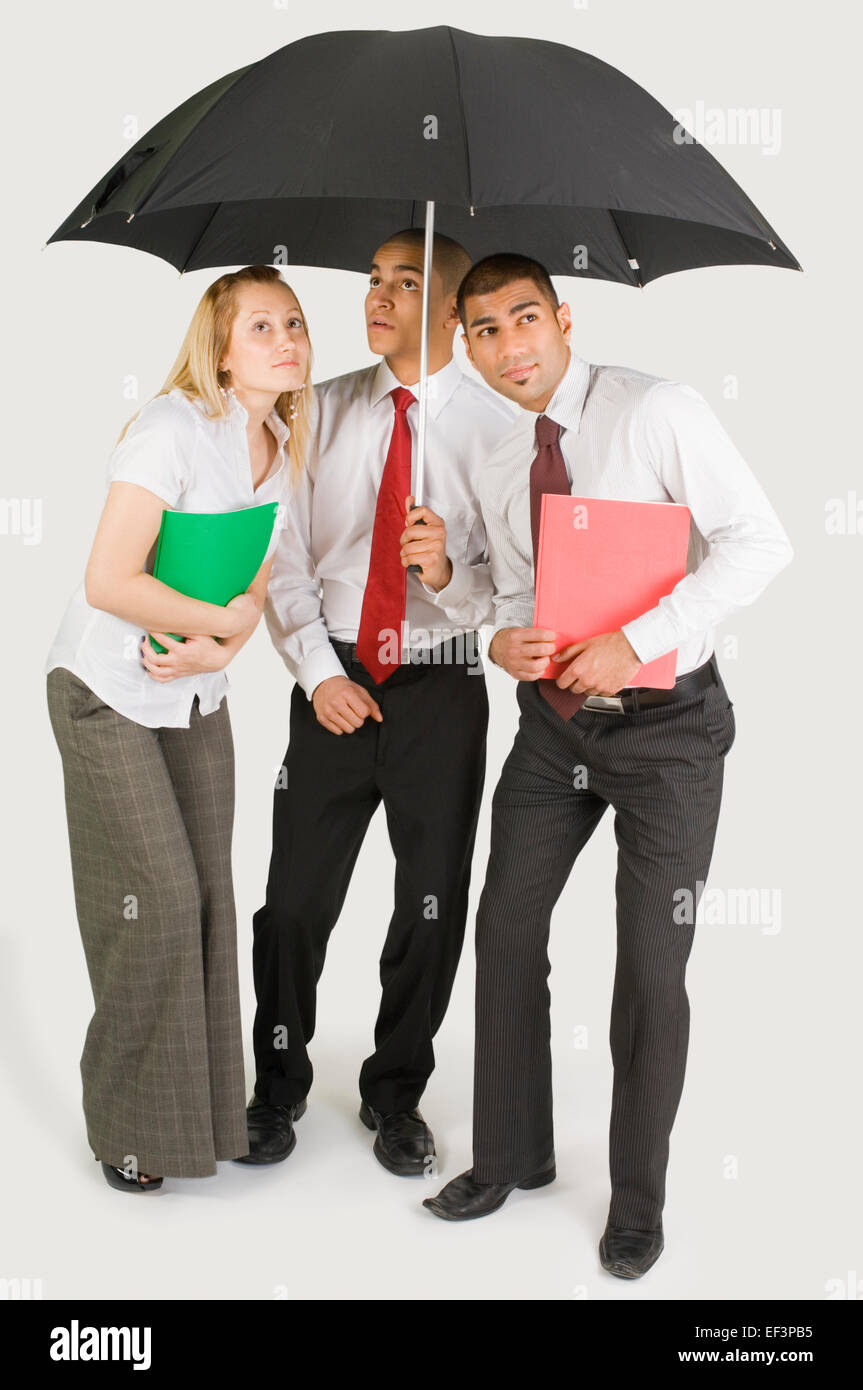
x: 194, y: 462
x: 322, y: 561
x: 628, y: 435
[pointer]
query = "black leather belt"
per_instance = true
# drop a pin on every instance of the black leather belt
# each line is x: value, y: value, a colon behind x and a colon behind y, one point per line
x: 643, y: 697
x: 347, y: 651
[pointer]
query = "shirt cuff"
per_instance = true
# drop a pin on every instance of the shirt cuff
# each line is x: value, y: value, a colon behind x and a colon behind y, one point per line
x: 458, y: 588
x: 651, y: 635
x: 319, y: 666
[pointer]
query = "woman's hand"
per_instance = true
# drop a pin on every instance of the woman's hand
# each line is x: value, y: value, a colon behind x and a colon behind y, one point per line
x: 201, y: 653
x: 187, y: 658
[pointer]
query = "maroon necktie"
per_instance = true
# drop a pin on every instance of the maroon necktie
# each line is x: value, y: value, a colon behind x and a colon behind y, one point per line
x: 548, y: 474
x: 383, y: 608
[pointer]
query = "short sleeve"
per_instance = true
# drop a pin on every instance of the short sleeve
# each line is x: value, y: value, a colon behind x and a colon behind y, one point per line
x: 155, y: 452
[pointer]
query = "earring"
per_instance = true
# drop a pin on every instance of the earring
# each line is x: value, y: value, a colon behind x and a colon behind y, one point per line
x: 292, y: 413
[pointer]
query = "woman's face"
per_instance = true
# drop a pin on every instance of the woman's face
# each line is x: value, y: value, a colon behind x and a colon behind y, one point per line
x: 268, y: 350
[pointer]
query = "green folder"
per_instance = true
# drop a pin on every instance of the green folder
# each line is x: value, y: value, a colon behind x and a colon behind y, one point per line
x: 212, y: 555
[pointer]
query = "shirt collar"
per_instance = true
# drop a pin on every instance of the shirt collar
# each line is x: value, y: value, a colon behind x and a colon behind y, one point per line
x: 441, y: 385
x: 236, y: 408
x: 567, y: 403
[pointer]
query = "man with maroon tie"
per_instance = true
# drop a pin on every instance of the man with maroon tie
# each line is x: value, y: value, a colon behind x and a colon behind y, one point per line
x: 594, y: 738
x: 389, y: 704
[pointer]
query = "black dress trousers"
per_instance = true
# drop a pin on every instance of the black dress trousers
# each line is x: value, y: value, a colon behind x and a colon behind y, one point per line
x: 426, y: 763
x: 661, y: 769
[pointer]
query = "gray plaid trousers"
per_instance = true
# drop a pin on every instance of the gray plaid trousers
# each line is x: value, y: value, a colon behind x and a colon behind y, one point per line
x: 150, y: 817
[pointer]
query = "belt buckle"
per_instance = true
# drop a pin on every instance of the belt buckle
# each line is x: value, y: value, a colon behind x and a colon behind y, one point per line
x: 605, y: 704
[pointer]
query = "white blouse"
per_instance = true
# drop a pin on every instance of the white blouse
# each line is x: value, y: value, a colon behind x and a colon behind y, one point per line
x: 194, y: 462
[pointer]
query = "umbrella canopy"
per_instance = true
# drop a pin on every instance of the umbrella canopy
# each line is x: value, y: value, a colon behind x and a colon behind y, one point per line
x: 316, y: 154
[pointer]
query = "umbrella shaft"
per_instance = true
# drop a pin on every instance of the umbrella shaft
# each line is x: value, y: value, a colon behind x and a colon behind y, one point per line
x: 424, y: 353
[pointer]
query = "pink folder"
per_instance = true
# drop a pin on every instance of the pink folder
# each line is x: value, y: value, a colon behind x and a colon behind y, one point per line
x: 601, y: 563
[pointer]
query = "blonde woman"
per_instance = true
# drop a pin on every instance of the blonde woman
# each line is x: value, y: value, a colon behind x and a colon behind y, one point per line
x: 145, y: 740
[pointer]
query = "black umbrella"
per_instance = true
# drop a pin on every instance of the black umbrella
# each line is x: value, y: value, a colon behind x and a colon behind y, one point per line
x: 317, y: 153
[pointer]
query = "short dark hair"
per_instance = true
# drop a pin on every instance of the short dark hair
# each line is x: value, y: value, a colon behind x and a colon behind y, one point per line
x: 493, y: 272
x: 449, y: 257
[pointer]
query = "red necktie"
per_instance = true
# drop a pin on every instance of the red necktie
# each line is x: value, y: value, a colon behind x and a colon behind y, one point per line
x: 383, y: 608
x: 548, y: 474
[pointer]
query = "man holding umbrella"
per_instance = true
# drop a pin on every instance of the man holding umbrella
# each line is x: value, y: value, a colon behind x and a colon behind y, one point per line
x: 656, y: 756
x: 389, y: 684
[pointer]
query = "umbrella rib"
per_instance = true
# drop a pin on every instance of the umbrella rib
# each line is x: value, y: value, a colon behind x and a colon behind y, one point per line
x: 461, y: 113
x: 199, y: 238
x: 228, y: 83
x: 626, y: 250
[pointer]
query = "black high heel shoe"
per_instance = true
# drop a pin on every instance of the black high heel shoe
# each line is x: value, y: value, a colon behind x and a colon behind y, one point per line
x: 124, y: 1182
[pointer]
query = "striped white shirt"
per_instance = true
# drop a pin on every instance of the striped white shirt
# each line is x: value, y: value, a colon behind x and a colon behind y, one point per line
x: 635, y: 437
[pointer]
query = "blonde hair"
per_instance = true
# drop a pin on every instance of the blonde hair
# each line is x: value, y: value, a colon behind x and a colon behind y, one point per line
x: 196, y: 371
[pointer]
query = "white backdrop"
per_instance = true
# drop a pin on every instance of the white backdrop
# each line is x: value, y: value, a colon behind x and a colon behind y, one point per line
x: 763, y: 1183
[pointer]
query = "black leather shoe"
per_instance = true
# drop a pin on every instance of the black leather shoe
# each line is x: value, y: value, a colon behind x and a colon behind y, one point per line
x: 404, y: 1144
x: 126, y: 1182
x: 463, y: 1199
x: 271, y: 1130
x: 630, y: 1253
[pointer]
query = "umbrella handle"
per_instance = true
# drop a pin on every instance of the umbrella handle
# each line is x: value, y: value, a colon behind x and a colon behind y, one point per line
x: 417, y: 569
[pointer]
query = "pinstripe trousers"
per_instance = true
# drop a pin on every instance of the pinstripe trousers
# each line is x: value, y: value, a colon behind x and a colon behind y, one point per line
x: 150, y: 816
x: 662, y: 770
